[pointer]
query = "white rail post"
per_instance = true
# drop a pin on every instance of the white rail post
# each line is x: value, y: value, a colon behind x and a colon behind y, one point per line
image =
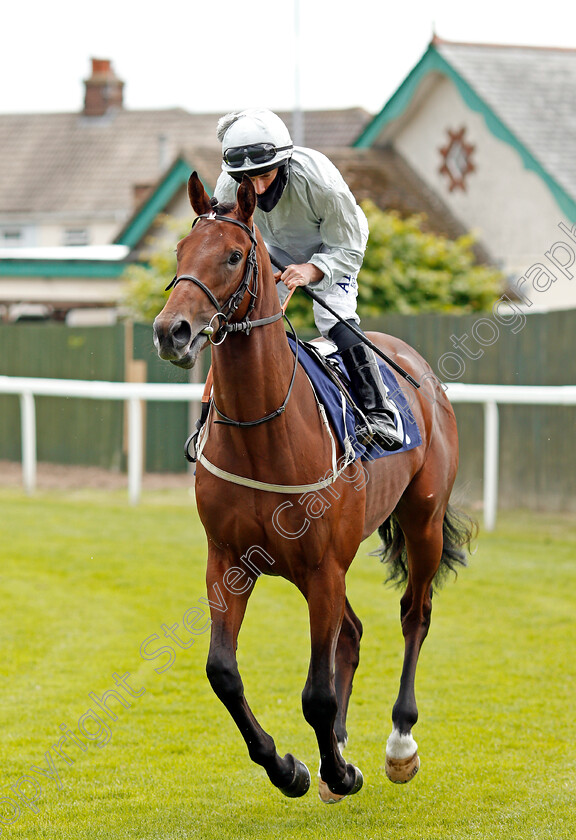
x: 28, y: 426
x: 491, y: 449
x: 135, y: 444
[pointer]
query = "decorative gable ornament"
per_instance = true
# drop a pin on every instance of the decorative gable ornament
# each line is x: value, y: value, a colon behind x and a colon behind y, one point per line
x: 457, y: 160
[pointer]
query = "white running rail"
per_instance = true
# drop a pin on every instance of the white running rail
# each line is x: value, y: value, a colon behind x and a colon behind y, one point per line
x: 490, y: 396
x: 131, y: 392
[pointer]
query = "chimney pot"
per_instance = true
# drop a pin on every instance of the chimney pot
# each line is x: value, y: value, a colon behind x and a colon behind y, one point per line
x: 100, y: 65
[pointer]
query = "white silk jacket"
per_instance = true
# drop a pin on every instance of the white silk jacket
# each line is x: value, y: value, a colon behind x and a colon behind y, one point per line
x: 316, y: 220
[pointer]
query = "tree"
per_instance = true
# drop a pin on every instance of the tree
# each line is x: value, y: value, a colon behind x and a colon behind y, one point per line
x: 405, y: 269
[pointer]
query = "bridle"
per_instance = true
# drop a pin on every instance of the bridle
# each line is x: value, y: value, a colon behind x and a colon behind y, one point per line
x: 248, y: 284
x: 225, y: 311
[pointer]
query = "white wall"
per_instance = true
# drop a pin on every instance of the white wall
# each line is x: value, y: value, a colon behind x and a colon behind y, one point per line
x: 51, y: 233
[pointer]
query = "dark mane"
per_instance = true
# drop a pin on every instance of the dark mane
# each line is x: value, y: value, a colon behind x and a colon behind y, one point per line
x: 222, y: 209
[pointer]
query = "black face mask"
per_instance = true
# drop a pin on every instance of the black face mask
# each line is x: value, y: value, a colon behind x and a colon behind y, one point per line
x: 270, y: 198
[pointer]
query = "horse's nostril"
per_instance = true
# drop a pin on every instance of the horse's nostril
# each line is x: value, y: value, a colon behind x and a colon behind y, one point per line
x: 181, y: 333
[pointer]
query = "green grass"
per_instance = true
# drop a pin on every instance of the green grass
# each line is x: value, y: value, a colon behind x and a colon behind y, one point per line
x: 86, y: 580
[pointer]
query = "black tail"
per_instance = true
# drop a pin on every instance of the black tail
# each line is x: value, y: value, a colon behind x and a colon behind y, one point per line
x: 458, y: 530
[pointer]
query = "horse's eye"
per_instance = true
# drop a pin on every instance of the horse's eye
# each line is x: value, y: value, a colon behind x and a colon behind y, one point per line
x: 235, y: 257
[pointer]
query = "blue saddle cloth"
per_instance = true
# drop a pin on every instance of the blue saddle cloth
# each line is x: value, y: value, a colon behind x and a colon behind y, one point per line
x: 331, y: 398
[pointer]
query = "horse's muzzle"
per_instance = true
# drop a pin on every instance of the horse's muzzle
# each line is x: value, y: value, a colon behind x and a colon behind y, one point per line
x: 176, y: 341
x: 172, y: 337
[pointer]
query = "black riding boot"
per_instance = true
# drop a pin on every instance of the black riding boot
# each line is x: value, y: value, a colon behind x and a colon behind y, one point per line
x: 362, y: 367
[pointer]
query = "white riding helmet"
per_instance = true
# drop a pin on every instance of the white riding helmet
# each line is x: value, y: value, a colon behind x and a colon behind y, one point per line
x: 253, y: 140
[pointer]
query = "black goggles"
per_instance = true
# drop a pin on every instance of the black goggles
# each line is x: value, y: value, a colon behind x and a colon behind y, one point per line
x: 258, y: 154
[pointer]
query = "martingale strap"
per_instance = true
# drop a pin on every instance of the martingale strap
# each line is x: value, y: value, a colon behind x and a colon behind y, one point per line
x: 244, y: 481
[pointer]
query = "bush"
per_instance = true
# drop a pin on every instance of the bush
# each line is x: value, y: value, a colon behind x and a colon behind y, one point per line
x: 407, y: 269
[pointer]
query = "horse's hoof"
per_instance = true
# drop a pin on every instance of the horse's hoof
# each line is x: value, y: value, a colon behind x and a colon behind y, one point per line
x: 358, y: 781
x: 329, y: 798
x: 402, y: 770
x: 300, y: 784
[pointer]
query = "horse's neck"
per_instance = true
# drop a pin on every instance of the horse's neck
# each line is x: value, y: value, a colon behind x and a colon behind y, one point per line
x: 252, y: 373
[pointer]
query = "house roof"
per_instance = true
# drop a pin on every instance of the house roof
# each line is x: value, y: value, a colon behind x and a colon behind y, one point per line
x: 527, y: 96
x: 329, y: 128
x: 74, y: 165
x: 69, y: 163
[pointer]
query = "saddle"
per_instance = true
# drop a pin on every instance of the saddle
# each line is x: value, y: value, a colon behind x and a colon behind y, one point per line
x: 327, y: 374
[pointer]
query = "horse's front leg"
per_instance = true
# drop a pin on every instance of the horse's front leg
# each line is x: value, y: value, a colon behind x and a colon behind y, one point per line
x: 228, y: 594
x: 347, y: 658
x: 326, y: 603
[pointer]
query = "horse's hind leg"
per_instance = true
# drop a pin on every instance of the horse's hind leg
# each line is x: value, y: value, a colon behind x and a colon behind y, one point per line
x: 347, y: 658
x: 227, y: 611
x: 424, y: 543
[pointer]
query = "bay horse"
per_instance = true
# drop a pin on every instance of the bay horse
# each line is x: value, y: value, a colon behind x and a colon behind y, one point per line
x: 277, y: 496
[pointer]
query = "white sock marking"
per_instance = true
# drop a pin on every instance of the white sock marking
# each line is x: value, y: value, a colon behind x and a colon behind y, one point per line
x: 400, y: 746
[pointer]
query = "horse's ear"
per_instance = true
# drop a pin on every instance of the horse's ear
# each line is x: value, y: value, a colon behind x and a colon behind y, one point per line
x: 199, y: 198
x: 246, y: 198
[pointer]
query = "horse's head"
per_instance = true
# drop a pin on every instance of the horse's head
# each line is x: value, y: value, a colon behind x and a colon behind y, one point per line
x: 215, y: 259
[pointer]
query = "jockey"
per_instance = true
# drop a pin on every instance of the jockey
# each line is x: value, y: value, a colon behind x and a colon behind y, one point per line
x: 311, y: 223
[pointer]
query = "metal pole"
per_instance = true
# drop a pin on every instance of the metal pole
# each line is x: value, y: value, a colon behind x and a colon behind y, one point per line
x: 135, y: 443
x: 490, y: 464
x: 297, y: 118
x: 28, y: 426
